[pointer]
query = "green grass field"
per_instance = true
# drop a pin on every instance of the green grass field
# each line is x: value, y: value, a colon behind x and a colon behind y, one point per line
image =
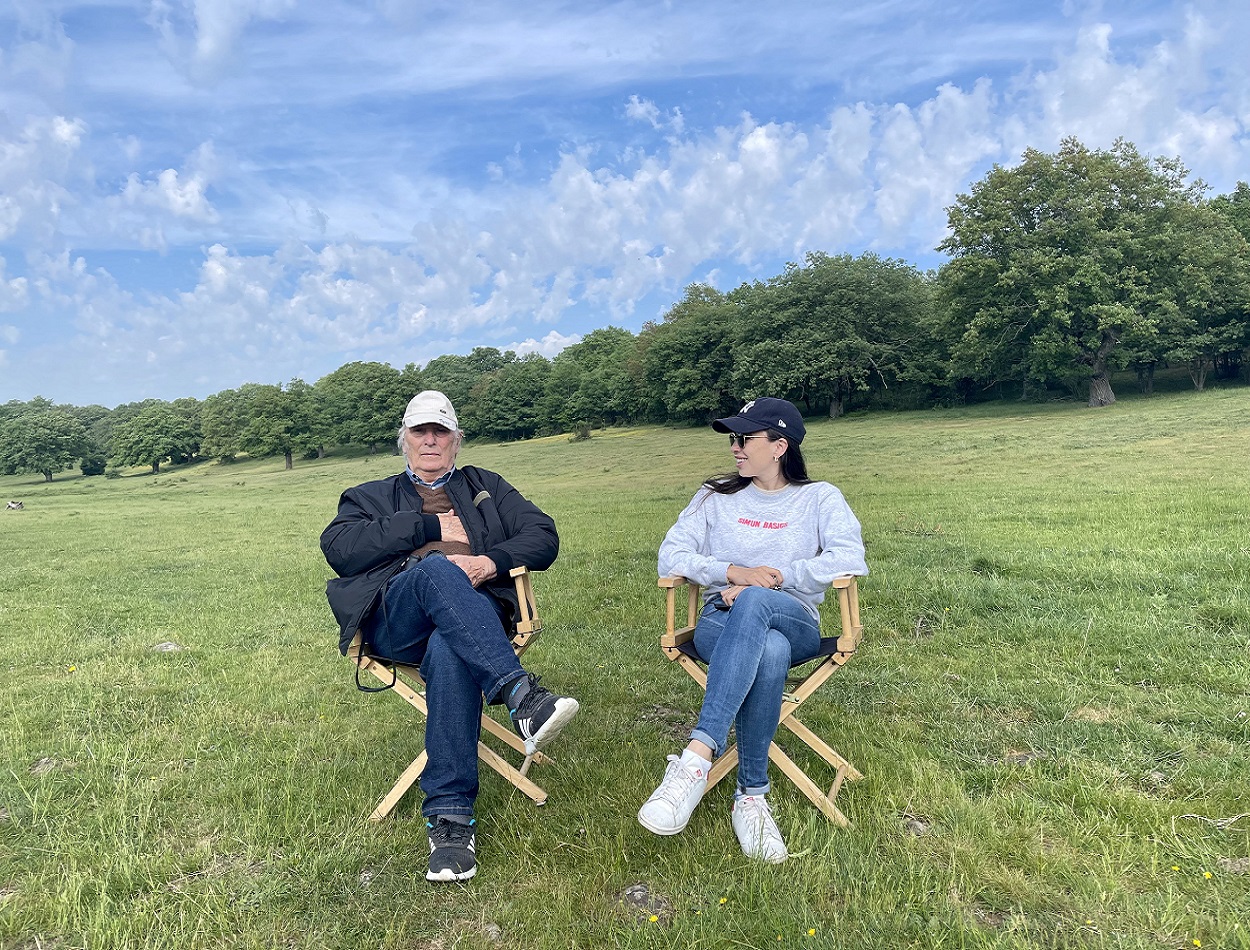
x: 1050, y: 705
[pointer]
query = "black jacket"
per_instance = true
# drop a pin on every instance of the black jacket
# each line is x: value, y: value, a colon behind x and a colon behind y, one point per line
x: 380, y: 523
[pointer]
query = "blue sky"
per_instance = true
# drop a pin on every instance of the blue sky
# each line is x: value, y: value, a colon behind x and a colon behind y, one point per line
x: 196, y: 194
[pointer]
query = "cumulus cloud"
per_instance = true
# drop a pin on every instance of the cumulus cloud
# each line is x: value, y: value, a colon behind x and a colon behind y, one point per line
x: 36, y: 168
x: 549, y: 346
x: 143, y: 207
x: 1159, y: 99
x: 13, y: 297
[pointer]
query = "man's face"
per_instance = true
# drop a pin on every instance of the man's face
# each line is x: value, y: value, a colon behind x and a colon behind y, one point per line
x: 430, y: 449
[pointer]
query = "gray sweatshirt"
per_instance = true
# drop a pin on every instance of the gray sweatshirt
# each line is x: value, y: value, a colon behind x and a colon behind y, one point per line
x: 808, y: 532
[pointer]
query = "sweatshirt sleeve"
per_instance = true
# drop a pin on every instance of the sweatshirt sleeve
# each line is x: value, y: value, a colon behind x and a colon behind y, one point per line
x: 841, y: 547
x: 683, y: 550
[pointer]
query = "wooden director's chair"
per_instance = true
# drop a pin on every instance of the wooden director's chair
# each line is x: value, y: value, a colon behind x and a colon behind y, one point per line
x: 678, y: 645
x: 405, y: 682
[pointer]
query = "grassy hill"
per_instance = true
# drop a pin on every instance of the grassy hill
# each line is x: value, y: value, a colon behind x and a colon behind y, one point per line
x: 1050, y: 706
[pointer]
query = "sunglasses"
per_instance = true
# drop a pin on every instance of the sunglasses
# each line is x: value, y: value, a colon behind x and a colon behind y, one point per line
x: 735, y: 439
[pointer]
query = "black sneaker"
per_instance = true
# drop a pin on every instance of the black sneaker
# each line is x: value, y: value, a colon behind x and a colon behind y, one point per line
x: 537, y: 714
x: 452, y: 846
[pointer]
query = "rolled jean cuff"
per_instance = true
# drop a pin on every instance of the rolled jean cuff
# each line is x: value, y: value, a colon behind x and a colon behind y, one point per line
x: 496, y: 695
x: 698, y: 735
x: 429, y: 812
x: 755, y: 789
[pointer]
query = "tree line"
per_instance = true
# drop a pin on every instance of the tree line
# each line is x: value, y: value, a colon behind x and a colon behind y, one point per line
x: 1061, y: 270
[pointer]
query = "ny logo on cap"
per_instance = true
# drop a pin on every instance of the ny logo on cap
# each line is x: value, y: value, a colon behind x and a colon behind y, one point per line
x: 746, y: 408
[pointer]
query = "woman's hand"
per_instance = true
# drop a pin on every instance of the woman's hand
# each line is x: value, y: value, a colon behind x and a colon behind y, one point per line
x: 730, y: 594
x: 763, y: 576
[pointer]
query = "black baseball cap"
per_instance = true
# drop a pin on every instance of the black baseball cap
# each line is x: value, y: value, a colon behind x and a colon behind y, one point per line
x: 765, y: 413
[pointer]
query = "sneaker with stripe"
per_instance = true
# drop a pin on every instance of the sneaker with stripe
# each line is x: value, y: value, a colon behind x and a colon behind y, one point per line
x: 537, y: 714
x: 453, y: 849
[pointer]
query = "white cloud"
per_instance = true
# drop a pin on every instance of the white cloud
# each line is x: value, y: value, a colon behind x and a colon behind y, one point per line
x: 13, y: 297
x: 643, y: 110
x: 36, y: 170
x: 1160, y: 99
x: 548, y: 346
x: 203, y: 34
x: 144, y: 209
x: 184, y: 198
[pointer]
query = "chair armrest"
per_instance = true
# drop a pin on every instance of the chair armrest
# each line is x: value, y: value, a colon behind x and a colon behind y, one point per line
x: 675, y: 636
x: 847, y: 588
x: 528, y: 624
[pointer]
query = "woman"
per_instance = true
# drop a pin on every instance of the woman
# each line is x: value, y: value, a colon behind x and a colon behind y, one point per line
x: 765, y: 542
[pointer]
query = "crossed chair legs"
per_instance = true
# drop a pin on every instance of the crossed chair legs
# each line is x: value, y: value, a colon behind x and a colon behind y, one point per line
x: 677, y: 644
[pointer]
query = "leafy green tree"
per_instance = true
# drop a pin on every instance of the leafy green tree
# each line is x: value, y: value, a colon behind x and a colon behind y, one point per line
x: 835, y: 327
x: 592, y: 382
x: 687, y: 360
x: 279, y: 421
x: 1212, y: 305
x: 93, y: 462
x: 506, y: 404
x: 41, y: 439
x: 456, y: 376
x: 156, y: 433
x: 101, y: 430
x: 222, y: 420
x: 191, y: 410
x: 1055, y: 261
x: 94, y: 457
x: 1235, y: 208
x: 359, y: 404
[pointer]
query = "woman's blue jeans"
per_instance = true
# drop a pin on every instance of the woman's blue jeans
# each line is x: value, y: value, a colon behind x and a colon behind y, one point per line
x: 433, y: 617
x: 749, y: 650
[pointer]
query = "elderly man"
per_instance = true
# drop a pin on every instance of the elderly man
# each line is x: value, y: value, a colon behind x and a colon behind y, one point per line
x: 423, y: 560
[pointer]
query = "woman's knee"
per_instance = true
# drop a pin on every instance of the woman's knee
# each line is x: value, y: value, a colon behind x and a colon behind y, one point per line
x: 776, y: 656
x: 751, y: 598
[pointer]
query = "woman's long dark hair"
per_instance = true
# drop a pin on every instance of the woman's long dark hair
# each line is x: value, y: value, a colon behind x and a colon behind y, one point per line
x: 793, y: 469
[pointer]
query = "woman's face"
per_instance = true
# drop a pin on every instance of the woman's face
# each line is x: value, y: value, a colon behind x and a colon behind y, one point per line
x: 755, y: 455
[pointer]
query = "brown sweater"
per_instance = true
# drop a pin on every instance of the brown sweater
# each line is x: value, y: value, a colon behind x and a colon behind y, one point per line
x: 434, y: 501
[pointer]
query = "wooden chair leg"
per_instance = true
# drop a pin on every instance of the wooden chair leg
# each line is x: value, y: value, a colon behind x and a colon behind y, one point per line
x: 722, y: 766
x: 406, y: 780
x: 501, y: 765
x: 486, y: 754
x: 822, y: 748
x: 808, y: 787
x: 506, y: 735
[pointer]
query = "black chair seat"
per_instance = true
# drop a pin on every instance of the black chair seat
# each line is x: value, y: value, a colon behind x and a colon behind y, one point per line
x: 828, y: 647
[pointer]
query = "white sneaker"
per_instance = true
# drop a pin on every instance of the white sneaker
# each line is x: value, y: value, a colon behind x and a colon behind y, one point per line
x: 756, y: 830
x: 668, y: 809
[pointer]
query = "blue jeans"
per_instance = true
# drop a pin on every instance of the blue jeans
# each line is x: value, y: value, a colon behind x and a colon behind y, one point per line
x: 749, y: 650
x: 432, y: 616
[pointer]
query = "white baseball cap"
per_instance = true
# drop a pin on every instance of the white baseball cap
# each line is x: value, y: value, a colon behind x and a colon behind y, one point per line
x: 428, y: 407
